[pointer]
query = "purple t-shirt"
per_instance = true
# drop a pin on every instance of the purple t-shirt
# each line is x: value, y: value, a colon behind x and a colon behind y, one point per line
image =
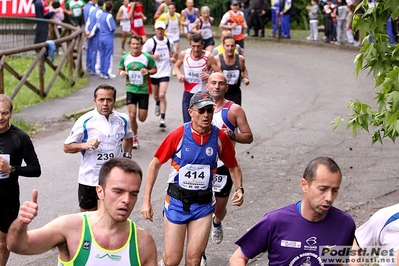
x: 290, y: 239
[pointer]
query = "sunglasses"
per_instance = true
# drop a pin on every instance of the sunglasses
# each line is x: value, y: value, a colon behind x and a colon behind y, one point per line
x: 234, y: 4
x: 203, y: 109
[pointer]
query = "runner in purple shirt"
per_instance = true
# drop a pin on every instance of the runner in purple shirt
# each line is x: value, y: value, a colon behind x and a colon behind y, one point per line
x: 296, y: 234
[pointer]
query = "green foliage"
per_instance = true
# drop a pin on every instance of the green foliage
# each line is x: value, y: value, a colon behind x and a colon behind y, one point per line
x: 381, y: 60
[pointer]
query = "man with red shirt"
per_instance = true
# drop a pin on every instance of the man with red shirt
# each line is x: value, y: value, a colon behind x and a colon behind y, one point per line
x: 194, y: 149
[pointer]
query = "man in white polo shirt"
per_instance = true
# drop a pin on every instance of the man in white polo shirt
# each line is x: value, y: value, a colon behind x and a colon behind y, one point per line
x: 99, y: 135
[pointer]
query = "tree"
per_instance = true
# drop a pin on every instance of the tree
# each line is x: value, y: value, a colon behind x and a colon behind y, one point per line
x: 381, y: 59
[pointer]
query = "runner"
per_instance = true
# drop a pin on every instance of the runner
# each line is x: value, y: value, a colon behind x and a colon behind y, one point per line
x: 233, y: 67
x: 197, y: 66
x: 137, y: 18
x: 204, y: 26
x: 188, y: 17
x: 162, y: 51
x: 136, y: 67
x: 123, y: 16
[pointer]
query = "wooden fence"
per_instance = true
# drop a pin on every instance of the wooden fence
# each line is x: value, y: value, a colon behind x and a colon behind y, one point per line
x: 71, y: 39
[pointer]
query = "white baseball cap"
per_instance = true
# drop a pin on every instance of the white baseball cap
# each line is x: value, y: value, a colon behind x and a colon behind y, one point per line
x: 160, y: 24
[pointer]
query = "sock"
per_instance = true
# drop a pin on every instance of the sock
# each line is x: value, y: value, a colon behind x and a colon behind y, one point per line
x: 163, y: 116
x: 157, y: 102
x: 215, y: 225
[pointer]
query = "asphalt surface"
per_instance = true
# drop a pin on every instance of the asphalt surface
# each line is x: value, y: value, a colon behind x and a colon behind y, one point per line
x: 296, y: 90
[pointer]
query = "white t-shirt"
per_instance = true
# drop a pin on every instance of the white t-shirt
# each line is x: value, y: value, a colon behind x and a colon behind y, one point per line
x: 109, y: 132
x: 382, y: 229
x: 164, y: 67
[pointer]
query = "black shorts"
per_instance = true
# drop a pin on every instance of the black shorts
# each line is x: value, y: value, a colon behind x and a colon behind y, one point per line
x: 87, y: 197
x: 209, y: 42
x: 240, y: 43
x: 156, y: 81
x: 223, y: 170
x: 138, y: 99
x: 234, y: 94
x: 9, y: 208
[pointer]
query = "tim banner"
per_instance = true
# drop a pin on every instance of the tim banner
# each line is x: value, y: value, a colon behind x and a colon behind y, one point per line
x: 17, y: 8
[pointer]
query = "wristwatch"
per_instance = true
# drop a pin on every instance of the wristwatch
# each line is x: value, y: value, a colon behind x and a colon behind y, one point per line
x: 12, y: 170
x: 242, y: 189
x: 232, y: 135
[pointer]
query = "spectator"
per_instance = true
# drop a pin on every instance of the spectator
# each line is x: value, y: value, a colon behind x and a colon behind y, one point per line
x: 341, y: 21
x: 74, y: 8
x: 313, y: 20
x: 348, y: 25
x: 42, y: 11
x: 287, y: 9
x: 274, y: 16
x: 107, y: 26
x: 258, y: 17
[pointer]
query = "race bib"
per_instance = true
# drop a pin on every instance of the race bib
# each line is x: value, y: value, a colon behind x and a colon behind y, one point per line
x: 7, y: 158
x: 231, y: 76
x: 135, y: 77
x: 138, y: 22
x: 237, y: 30
x: 193, y: 76
x: 219, y: 182
x: 194, y: 176
x: 103, y: 155
x: 173, y: 30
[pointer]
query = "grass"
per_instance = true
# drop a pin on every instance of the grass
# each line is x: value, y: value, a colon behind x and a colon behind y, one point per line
x: 27, y: 97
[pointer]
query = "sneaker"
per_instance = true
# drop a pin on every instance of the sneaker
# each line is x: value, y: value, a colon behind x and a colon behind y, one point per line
x: 160, y: 263
x: 162, y: 123
x: 112, y: 76
x: 157, y: 110
x: 309, y: 38
x: 217, y: 234
x: 173, y: 72
x: 203, y: 260
x: 123, y: 51
x: 135, y: 142
x: 103, y: 76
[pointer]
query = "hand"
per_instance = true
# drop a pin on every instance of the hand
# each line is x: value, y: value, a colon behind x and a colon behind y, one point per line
x: 155, y: 56
x: 92, y: 144
x: 28, y: 210
x: 172, y: 60
x: 144, y: 71
x: 246, y: 81
x: 181, y: 78
x: 204, y: 75
x: 122, y: 74
x: 4, y: 166
x: 237, y: 198
x: 147, y: 211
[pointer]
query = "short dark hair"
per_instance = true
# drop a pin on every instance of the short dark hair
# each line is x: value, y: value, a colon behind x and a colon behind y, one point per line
x: 5, y: 98
x: 109, y: 5
x: 127, y: 165
x: 196, y: 38
x: 310, y: 171
x: 172, y: 3
x: 228, y: 38
x: 105, y: 87
x: 56, y: 4
x: 137, y: 37
x: 100, y: 3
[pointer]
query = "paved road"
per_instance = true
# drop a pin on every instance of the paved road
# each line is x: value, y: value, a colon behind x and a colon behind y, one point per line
x: 295, y: 92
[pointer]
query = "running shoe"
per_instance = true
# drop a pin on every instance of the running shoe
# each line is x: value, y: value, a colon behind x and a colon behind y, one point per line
x: 162, y: 123
x: 135, y: 142
x: 203, y: 260
x: 173, y: 72
x: 217, y: 234
x: 123, y: 51
x: 112, y: 76
x: 157, y: 110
